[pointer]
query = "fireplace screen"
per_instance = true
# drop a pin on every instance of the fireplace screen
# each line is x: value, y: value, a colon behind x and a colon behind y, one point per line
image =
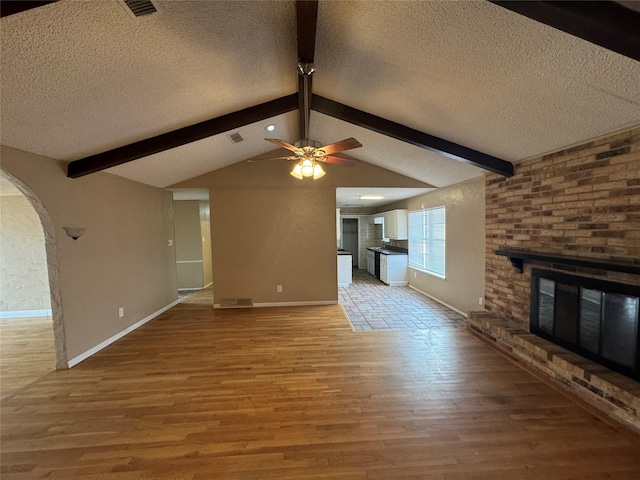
x: 595, y: 318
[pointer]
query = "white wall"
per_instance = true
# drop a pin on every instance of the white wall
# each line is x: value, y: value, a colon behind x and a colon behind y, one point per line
x: 24, y: 281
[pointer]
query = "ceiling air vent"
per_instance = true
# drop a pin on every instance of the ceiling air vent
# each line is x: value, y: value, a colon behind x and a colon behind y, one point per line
x: 139, y: 7
x: 235, y: 137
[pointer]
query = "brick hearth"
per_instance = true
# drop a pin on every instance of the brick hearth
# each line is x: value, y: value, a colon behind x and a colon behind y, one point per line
x: 612, y: 393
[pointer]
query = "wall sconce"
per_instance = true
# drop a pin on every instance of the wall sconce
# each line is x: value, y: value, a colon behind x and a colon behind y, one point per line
x: 74, y: 232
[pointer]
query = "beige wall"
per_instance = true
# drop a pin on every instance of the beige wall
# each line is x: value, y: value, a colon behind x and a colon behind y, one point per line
x: 205, y: 231
x: 465, y: 208
x: 123, y: 258
x: 267, y: 237
x: 24, y: 281
x: 270, y: 229
x: 188, y: 233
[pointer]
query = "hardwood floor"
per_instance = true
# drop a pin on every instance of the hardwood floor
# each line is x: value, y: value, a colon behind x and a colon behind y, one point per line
x: 26, y: 352
x: 294, y: 393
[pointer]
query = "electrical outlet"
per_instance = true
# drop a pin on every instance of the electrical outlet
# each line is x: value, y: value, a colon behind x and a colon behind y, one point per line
x: 480, y: 300
x: 415, y: 274
x: 170, y: 243
x: 279, y: 288
x: 121, y: 312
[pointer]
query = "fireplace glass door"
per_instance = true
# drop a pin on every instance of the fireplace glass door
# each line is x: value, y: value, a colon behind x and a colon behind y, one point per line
x: 594, y: 318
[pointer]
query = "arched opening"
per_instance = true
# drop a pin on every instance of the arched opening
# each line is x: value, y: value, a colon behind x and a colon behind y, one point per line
x: 59, y: 344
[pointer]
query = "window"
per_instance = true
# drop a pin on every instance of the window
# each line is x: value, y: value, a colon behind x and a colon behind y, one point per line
x: 427, y: 240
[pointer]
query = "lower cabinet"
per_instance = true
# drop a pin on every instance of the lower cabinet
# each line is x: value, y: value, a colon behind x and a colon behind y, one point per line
x: 371, y: 262
x: 393, y: 270
x: 344, y: 270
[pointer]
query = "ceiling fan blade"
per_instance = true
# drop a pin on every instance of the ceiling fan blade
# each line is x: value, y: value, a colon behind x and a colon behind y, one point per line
x: 341, y: 146
x: 345, y: 162
x: 252, y: 160
x: 283, y: 144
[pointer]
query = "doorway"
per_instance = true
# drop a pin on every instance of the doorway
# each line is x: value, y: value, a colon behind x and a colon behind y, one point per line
x: 350, y: 239
x: 26, y: 324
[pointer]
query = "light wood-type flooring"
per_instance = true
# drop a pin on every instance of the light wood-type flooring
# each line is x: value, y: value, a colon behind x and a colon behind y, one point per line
x: 26, y: 352
x: 294, y: 393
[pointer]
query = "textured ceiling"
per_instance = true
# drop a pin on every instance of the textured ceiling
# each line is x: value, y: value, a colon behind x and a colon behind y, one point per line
x: 350, y: 197
x: 79, y: 78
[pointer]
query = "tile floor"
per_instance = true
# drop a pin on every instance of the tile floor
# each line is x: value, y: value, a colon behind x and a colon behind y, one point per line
x: 373, y: 306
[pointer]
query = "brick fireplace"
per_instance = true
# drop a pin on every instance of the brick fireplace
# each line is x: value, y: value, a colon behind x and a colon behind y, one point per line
x: 583, y: 203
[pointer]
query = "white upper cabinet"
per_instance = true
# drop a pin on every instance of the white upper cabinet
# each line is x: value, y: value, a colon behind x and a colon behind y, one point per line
x: 395, y: 225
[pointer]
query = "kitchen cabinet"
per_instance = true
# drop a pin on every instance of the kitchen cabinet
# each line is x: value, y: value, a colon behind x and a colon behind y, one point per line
x: 345, y: 261
x: 395, y: 226
x: 371, y: 263
x: 393, y: 269
x: 383, y: 269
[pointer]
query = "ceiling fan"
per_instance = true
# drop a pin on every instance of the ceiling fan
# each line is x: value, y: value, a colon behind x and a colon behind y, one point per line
x: 309, y: 152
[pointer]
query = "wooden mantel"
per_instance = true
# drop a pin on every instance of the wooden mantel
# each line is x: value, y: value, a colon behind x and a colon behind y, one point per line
x: 519, y: 257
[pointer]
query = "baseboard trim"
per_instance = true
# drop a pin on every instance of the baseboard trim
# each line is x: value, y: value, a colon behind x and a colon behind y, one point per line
x: 398, y: 283
x: 195, y: 288
x: 284, y: 304
x: 83, y: 356
x: 25, y: 314
x: 439, y: 301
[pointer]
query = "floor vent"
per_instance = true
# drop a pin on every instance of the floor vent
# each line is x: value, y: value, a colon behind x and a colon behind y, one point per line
x: 139, y: 7
x: 235, y: 137
x: 236, y: 302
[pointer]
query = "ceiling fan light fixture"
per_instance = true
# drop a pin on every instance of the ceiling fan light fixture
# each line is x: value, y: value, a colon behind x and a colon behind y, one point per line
x: 318, y: 172
x: 306, y: 167
x: 297, y: 171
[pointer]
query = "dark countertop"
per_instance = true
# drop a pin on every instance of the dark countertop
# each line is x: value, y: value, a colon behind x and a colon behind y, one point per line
x: 343, y: 252
x: 388, y: 251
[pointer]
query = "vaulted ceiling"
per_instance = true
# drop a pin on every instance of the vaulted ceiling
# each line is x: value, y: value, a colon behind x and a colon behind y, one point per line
x: 82, y: 78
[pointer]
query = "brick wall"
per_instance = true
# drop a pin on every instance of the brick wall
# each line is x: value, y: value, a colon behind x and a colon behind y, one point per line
x: 583, y: 201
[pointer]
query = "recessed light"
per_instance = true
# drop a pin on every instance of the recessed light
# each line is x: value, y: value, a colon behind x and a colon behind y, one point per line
x: 270, y: 128
x: 371, y: 197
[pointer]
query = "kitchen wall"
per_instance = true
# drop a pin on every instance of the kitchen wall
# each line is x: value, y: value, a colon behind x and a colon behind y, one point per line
x: 465, y: 214
x: 269, y: 229
x: 122, y: 260
x: 369, y: 235
x: 24, y: 280
x: 582, y: 201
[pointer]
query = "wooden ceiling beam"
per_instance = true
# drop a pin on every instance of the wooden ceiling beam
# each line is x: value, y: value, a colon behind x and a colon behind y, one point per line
x: 182, y: 136
x: 605, y: 23
x: 412, y: 136
x: 306, y: 25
